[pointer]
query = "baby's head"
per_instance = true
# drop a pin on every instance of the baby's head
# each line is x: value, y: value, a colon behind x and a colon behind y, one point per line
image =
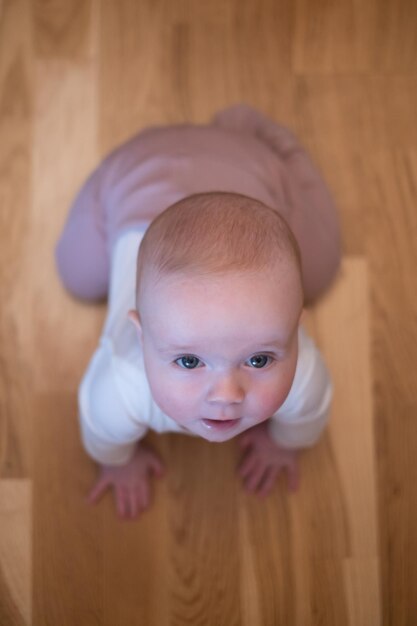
x: 219, y: 298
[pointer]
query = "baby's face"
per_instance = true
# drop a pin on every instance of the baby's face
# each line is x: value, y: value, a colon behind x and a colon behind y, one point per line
x: 220, y: 352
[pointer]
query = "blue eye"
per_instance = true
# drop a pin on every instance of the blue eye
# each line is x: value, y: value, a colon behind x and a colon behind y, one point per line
x: 188, y: 362
x: 259, y: 360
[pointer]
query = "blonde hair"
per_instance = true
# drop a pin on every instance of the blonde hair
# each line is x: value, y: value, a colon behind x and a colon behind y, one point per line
x: 213, y: 233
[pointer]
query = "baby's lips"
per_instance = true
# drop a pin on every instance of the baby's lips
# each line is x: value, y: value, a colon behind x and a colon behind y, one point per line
x: 219, y: 424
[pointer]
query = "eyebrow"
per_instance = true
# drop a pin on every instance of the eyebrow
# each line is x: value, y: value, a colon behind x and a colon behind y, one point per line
x: 173, y: 348
x: 277, y: 345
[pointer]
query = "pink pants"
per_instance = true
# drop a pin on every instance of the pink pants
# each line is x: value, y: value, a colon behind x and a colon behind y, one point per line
x: 240, y: 150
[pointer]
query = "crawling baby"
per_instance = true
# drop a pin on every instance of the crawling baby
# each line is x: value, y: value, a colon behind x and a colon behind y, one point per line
x: 203, y: 333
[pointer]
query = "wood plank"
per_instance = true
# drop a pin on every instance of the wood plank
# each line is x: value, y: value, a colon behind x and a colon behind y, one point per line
x: 157, y: 61
x: 393, y: 258
x: 395, y: 44
x: 65, y: 124
x: 171, y: 567
x: 351, y: 37
x: 65, y: 143
x: 67, y: 534
x: 15, y: 177
x: 61, y: 29
x: 15, y: 552
x: 333, y: 38
x: 342, y: 326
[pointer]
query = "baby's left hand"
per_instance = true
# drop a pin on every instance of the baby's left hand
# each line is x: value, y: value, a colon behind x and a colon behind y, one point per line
x: 264, y: 461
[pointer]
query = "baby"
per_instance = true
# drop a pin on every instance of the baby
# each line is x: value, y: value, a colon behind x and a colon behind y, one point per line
x: 229, y: 231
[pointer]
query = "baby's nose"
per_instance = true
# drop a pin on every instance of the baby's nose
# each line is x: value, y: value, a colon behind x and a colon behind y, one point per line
x: 226, y: 389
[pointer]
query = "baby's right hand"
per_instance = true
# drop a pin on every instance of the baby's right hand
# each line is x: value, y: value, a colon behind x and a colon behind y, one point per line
x: 130, y: 482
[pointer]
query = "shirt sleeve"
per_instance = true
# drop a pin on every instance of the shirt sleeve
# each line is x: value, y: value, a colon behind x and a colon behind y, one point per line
x: 109, y: 432
x: 300, y: 421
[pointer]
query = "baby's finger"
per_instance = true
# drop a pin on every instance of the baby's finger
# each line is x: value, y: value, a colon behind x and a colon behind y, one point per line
x: 157, y: 467
x: 133, y: 503
x: 245, y: 441
x: 144, y: 495
x: 247, y: 465
x: 255, y: 478
x: 120, y: 499
x: 98, y: 489
x: 269, y: 481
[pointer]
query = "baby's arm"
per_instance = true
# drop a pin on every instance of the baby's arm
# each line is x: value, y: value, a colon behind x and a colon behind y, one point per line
x: 111, y: 436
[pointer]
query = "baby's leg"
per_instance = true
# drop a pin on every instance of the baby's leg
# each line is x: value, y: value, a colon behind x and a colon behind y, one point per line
x: 314, y: 222
x: 312, y: 215
x: 81, y: 253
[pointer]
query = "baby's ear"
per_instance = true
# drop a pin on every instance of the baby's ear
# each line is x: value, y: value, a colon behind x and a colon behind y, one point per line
x: 134, y: 318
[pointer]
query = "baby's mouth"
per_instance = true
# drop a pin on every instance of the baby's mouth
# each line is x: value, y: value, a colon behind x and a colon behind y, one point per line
x: 219, y: 424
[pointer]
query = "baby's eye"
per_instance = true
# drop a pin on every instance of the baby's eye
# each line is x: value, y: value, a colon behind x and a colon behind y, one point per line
x: 259, y: 360
x: 188, y: 362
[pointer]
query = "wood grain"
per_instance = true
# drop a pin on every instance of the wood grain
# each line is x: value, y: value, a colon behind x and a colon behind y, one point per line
x: 61, y: 28
x: 64, y: 150
x: 67, y: 535
x: 15, y: 552
x: 15, y: 137
x: 76, y: 79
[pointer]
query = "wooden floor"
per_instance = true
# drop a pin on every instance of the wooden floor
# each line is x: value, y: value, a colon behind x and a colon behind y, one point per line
x: 78, y: 77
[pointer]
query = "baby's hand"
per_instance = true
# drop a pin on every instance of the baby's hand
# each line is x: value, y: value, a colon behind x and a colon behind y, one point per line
x: 130, y: 482
x: 265, y: 459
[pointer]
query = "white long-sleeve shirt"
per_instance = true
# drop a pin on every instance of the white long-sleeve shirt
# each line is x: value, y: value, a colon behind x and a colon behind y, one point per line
x: 116, y: 406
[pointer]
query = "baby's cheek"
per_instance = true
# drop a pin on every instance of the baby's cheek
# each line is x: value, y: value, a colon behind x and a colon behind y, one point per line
x: 273, y: 396
x: 174, y: 401
x: 269, y: 402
